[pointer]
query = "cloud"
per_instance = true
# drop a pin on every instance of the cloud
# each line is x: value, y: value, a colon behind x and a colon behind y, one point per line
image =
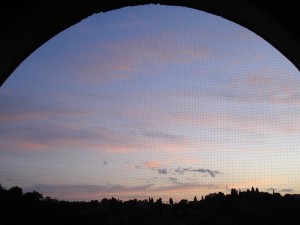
x: 271, y: 189
x: 173, y: 180
x: 286, y: 190
x: 152, y: 164
x: 158, y: 135
x: 38, y: 122
x: 280, y: 190
x: 34, y: 129
x: 211, y: 173
x: 105, y: 162
x: 123, y: 59
x: 25, y: 106
x: 167, y: 50
x: 44, y: 135
x: 69, y: 136
x: 266, y: 85
x: 162, y: 171
x: 281, y: 121
x: 180, y: 171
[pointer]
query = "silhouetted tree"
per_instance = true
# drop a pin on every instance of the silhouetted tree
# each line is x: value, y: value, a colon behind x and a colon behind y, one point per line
x: 195, y: 199
x: 3, y: 192
x: 159, y: 201
x: 32, y: 197
x: 15, y: 193
x: 183, y: 202
x: 2, y: 188
x: 259, y: 208
x: 234, y: 192
x: 104, y: 201
x: 113, y: 201
x: 151, y: 201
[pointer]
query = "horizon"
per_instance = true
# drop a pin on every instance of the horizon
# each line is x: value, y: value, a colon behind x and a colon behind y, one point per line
x: 163, y: 201
x: 151, y: 99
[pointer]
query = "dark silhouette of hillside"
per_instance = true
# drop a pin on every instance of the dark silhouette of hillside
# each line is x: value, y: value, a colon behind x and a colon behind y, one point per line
x: 248, y: 207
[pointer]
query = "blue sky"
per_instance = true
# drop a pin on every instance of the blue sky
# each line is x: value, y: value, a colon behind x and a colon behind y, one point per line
x: 151, y: 101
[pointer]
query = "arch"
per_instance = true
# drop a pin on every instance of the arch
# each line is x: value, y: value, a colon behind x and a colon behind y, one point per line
x: 25, y: 27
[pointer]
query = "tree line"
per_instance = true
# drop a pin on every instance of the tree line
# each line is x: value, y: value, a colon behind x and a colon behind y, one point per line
x: 238, y: 207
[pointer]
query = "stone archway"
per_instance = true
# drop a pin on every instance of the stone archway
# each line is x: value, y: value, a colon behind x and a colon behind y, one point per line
x: 26, y: 26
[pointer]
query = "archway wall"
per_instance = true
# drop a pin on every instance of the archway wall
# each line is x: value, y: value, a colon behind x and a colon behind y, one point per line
x: 25, y: 27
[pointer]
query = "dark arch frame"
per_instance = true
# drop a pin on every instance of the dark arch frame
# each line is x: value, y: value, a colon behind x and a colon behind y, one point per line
x: 26, y: 26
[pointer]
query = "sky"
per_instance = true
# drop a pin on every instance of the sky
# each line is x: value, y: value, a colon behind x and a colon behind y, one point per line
x: 151, y: 101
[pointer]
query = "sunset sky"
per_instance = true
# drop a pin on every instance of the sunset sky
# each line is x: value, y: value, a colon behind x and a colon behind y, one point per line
x: 151, y: 101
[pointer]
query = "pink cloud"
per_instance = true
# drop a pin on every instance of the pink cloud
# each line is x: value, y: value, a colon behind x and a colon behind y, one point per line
x: 80, y: 136
x: 152, y: 164
x: 103, y: 71
x: 165, y: 51
x: 266, y: 85
x: 33, y: 146
x: 260, y: 123
x: 34, y: 116
x: 119, y: 60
